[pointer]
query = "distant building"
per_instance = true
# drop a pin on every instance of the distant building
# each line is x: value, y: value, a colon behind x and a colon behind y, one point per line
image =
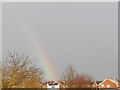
x: 107, y: 83
x: 95, y: 84
x: 55, y: 84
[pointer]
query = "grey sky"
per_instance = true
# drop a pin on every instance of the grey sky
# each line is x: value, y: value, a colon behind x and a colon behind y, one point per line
x: 81, y: 34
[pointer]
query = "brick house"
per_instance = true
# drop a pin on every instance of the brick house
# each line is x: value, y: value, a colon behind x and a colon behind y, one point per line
x: 109, y: 83
x: 55, y: 84
x: 95, y: 84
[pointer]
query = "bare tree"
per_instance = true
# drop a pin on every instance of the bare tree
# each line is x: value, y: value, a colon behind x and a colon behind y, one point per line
x: 68, y: 76
x: 0, y: 80
x: 83, y: 80
x: 20, y: 72
x: 75, y: 80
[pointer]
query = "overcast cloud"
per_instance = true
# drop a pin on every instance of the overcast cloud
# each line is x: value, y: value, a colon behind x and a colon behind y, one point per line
x: 81, y: 34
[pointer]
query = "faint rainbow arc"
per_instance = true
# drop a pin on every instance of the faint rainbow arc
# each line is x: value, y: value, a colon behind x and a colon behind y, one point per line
x: 43, y: 57
x: 48, y: 67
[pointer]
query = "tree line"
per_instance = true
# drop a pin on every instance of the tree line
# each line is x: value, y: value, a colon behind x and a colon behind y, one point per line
x: 20, y: 71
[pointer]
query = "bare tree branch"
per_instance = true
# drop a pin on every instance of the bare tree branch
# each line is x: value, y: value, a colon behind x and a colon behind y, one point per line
x: 17, y: 72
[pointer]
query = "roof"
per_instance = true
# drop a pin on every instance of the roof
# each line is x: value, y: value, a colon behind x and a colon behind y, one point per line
x: 98, y: 82
x: 114, y: 81
x: 110, y: 79
x: 91, y: 83
x: 56, y: 82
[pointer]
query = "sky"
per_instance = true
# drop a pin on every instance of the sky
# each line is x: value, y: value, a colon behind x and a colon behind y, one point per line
x: 60, y: 1
x: 84, y: 35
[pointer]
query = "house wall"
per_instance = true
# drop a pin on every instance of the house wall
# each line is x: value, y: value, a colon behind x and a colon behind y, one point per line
x: 95, y: 85
x: 55, y: 86
x: 107, y: 83
x: 61, y: 86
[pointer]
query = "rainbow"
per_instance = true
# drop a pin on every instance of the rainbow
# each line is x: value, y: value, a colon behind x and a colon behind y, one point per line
x: 42, y: 55
x: 48, y: 67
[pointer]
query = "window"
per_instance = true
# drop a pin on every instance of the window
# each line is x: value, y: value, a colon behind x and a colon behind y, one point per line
x: 55, y: 83
x: 108, y: 86
x: 102, y: 85
x: 50, y: 84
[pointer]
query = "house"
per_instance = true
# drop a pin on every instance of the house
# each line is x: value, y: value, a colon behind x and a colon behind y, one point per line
x: 55, y: 84
x: 109, y: 83
x: 95, y: 84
